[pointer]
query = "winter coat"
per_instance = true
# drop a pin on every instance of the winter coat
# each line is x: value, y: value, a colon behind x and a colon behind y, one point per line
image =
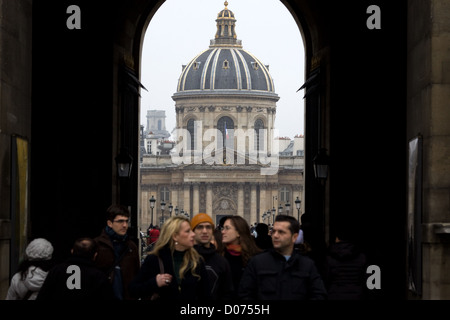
x: 33, y: 281
x: 268, y: 276
x: 219, y: 272
x: 345, y: 272
x: 237, y: 269
x: 129, y: 265
x: 191, y: 287
x: 93, y: 284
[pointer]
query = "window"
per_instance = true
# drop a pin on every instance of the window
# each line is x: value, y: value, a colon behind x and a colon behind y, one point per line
x: 255, y: 65
x: 196, y: 65
x: 149, y: 147
x: 191, y: 130
x: 285, y: 194
x: 226, y: 64
x: 259, y: 135
x: 226, y: 126
x: 165, y: 194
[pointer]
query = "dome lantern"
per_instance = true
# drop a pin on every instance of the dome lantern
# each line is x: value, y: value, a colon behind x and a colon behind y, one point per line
x: 226, y: 29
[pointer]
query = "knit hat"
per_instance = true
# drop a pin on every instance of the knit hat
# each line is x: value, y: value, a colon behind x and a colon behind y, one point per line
x: 39, y: 249
x: 199, y: 218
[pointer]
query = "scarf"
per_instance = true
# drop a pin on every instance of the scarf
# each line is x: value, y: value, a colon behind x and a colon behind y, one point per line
x: 119, y: 246
x: 234, y: 249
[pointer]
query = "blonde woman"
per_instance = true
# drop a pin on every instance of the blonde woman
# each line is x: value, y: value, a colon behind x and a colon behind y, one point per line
x: 182, y: 275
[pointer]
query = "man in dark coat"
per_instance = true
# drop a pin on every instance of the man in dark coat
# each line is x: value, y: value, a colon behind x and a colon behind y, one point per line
x: 118, y: 256
x: 282, y: 273
x: 77, y: 278
x: 219, y: 271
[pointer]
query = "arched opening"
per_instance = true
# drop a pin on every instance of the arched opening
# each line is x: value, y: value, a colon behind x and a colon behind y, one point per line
x: 85, y: 181
x: 283, y: 60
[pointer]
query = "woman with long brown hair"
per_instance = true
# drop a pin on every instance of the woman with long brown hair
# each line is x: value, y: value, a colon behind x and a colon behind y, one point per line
x: 238, y: 246
x: 173, y: 269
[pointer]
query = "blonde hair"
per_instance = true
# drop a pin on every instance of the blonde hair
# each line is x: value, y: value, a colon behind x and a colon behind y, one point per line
x: 170, y: 228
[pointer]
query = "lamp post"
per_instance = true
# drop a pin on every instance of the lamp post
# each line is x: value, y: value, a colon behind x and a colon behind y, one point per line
x: 288, y: 206
x: 176, y: 210
x: 152, y: 205
x: 273, y: 215
x: 163, y: 206
x: 269, y: 214
x: 170, y: 209
x: 280, y: 209
x: 297, y: 205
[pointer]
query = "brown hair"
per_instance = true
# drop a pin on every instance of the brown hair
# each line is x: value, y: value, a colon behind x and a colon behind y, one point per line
x: 249, y: 248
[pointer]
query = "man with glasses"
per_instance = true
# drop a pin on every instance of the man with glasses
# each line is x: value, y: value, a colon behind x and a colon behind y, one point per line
x: 118, y: 256
x: 218, y: 268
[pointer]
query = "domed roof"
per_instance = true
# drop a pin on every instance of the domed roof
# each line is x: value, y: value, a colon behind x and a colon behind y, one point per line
x: 225, y: 67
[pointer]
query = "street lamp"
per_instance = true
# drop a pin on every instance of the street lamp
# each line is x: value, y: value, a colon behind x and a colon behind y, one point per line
x: 297, y: 205
x: 152, y: 205
x: 170, y: 209
x: 176, y: 210
x: 320, y: 163
x: 288, y: 206
x: 280, y: 209
x: 268, y: 216
x: 124, y: 163
x: 163, y: 206
x: 273, y: 215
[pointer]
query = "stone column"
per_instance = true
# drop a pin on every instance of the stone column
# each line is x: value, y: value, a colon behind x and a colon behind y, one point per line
x: 187, y: 198
x: 174, y: 196
x: 209, y: 199
x: 254, y: 216
x: 240, y: 207
x: 196, y: 199
x: 262, y: 200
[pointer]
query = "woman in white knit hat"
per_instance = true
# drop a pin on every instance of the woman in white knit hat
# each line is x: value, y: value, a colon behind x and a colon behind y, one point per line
x: 26, y: 283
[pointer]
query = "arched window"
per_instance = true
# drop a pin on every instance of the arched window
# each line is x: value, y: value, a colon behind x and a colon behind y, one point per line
x: 226, y: 126
x: 191, y: 130
x: 259, y: 135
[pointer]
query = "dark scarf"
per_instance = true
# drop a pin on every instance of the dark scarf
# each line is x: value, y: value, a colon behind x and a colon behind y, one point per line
x: 119, y: 245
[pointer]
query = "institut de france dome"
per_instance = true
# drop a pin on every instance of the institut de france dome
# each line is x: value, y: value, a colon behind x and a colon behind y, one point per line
x: 225, y: 158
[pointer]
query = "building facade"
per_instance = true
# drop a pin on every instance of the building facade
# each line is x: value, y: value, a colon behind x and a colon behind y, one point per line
x: 226, y: 159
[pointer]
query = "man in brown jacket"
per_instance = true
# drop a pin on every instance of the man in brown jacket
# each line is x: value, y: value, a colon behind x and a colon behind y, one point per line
x: 118, y: 256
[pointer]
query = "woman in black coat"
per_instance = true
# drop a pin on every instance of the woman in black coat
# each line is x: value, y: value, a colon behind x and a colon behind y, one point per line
x: 183, y: 275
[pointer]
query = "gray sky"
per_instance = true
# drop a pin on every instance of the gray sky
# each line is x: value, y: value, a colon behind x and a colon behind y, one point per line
x: 181, y: 29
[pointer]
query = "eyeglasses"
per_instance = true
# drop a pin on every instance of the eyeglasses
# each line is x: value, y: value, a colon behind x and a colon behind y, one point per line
x: 122, y: 221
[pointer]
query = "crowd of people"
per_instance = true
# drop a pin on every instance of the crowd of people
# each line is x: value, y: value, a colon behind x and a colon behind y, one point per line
x: 192, y: 260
